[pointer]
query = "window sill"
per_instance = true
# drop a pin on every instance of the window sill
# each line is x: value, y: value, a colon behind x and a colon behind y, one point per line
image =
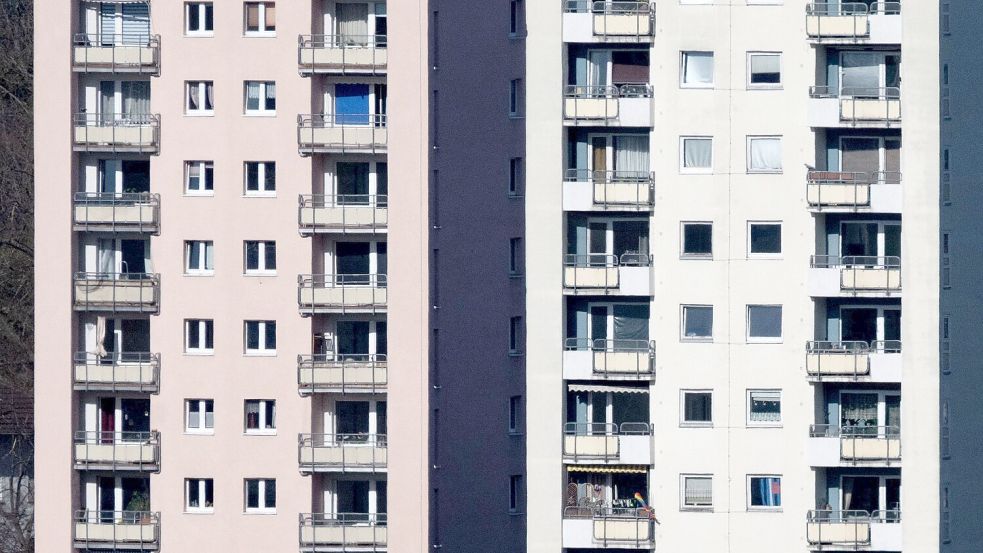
x: 693, y: 171
x: 517, y: 275
x: 696, y: 340
x: 259, y: 512
x: 516, y: 354
x: 765, y: 256
x: 697, y: 509
x: 764, y: 171
x: 259, y: 114
x: 516, y: 433
x: 751, y: 87
x: 259, y: 34
x: 686, y: 86
x: 696, y: 424
x: 259, y: 433
x: 763, y: 425
x: 259, y: 195
x: 764, y: 509
x: 199, y: 275
x: 259, y: 274
x: 765, y: 340
x: 199, y: 512
x: 260, y: 353
x: 199, y: 34
x: 200, y: 113
x: 198, y: 194
x: 206, y: 353
x: 199, y: 433
x: 696, y: 256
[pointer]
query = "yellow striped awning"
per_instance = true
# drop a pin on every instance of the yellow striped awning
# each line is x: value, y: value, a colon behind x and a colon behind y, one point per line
x: 617, y: 469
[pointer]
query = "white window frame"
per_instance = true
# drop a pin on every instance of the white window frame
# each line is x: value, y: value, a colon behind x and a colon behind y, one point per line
x: 682, y: 156
x: 765, y: 255
x: 683, y: 54
x: 763, y: 339
x: 202, y: 261
x: 200, y: 483
x: 262, y: 350
x: 262, y: 508
x: 261, y: 268
x: 202, y: 427
x: 261, y: 168
x: 202, y: 9
x: 683, y: 254
x: 747, y: 411
x: 262, y: 31
x: 203, y: 181
x: 683, y: 423
x: 682, y: 493
x: 202, y: 95
x: 752, y: 170
x: 263, y: 97
x: 682, y: 323
x: 202, y: 348
x: 747, y: 490
x: 781, y: 68
x: 262, y: 429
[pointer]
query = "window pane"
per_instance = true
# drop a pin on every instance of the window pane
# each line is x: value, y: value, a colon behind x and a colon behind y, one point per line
x: 270, y: 17
x: 765, y: 154
x: 194, y: 340
x: 252, y: 95
x: 193, y: 14
x: 698, y: 407
x: 252, y: 415
x: 766, y: 406
x: 766, y: 239
x: 252, y: 17
x: 698, y: 491
x: 252, y: 176
x: 252, y: 256
x: 270, y: 96
x: 209, y: 492
x: 698, y: 239
x: 698, y: 322
x: 766, y: 492
x: 698, y: 68
x: 193, y: 492
x: 766, y: 69
x: 209, y: 176
x: 194, y: 256
x: 270, y: 495
x: 270, y: 256
x: 209, y: 414
x: 269, y: 176
x: 194, y: 176
x: 252, y: 335
x: 765, y: 321
x: 252, y: 494
x: 209, y: 334
x: 697, y: 153
x: 194, y: 415
x: 209, y: 95
x: 270, y: 415
x: 209, y: 17
x: 270, y: 334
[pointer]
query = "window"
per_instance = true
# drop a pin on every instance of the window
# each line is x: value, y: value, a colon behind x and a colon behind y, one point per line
x: 697, y: 240
x: 260, y: 19
x: 515, y: 97
x: 515, y: 177
x: 199, y: 257
x: 260, y: 337
x: 260, y: 97
x: 515, y: 17
x: 764, y: 154
x: 199, y: 178
x: 696, y: 154
x: 764, y: 323
x: 515, y: 256
x: 260, y: 495
x: 515, y: 415
x: 696, y: 70
x: 199, y: 416
x: 199, y: 19
x: 260, y: 416
x: 515, y: 335
x: 697, y: 323
x: 199, y: 336
x: 260, y: 257
x: 697, y: 493
x: 764, y: 70
x: 764, y: 493
x: 199, y: 98
x: 199, y: 495
x: 696, y: 408
x: 260, y: 178
x: 764, y: 239
x: 515, y: 493
x: 764, y: 407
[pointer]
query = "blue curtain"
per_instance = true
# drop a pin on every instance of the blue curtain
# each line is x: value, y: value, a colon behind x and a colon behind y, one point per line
x: 351, y: 104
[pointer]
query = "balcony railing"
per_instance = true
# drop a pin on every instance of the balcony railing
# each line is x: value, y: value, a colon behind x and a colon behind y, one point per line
x: 863, y: 443
x: 616, y: 526
x: 111, y: 212
x: 599, y: 271
x: 594, y: 103
x: 599, y: 441
x: 356, y: 133
x: 844, y: 20
x: 617, y: 18
x: 116, y: 53
x: 341, y: 293
x: 115, y: 132
x: 343, y: 213
x: 863, y: 104
x: 845, y: 188
x: 115, y: 371
x: 342, y: 452
x: 117, y: 292
x: 343, y: 530
x: 863, y: 273
x: 342, y: 54
x: 96, y: 450
x: 845, y: 528
x: 119, y: 530
x: 618, y: 357
x: 343, y: 373
x: 844, y: 359
x: 617, y: 189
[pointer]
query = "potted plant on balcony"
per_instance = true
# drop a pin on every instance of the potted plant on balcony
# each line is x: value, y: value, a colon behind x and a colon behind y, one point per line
x: 138, y: 508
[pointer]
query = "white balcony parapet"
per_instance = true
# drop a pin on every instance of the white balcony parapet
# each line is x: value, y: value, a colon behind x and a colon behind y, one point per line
x: 627, y: 105
x: 343, y: 530
x: 855, y: 106
x: 117, y: 292
x: 341, y: 293
x: 126, y: 371
x: 604, y: 526
x: 878, y: 361
x: 831, y: 21
x: 851, y: 191
x: 114, y: 132
x: 343, y: 133
x: 96, y: 450
x: 878, y: 530
x: 860, y: 444
x: 630, y: 273
x: 342, y: 452
x: 342, y: 54
x: 111, y: 212
x: 627, y: 443
x: 343, y: 213
x: 342, y: 373
x: 604, y: 358
x: 585, y: 190
x: 116, y: 530
x: 116, y: 53
x: 855, y: 274
x: 608, y: 20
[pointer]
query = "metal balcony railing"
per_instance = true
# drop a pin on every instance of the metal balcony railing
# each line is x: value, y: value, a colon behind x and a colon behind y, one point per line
x: 97, y: 450
x: 616, y: 526
x: 863, y: 104
x: 115, y: 132
x: 342, y: 452
x: 343, y: 529
x: 581, y: 102
x: 845, y: 189
x: 617, y: 357
x: 599, y: 271
x: 616, y: 18
x: 863, y: 443
x: 599, y: 441
x: 117, y: 292
x: 117, y: 212
x: 617, y: 189
x: 344, y: 373
x: 136, y: 530
x: 343, y: 212
x: 863, y: 273
x: 850, y: 359
x: 845, y: 528
x: 116, y: 53
x: 365, y: 133
x: 117, y: 371
x: 844, y: 20
x: 344, y: 54
x: 341, y: 293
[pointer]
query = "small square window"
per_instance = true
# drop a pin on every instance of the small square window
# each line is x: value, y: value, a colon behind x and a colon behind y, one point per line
x: 696, y: 408
x: 260, y: 177
x: 764, y: 239
x: 515, y: 493
x: 199, y: 178
x: 259, y: 98
x: 260, y: 415
x: 764, y: 70
x: 697, y: 493
x: 695, y: 154
x: 515, y: 336
x: 260, y: 19
x: 260, y: 495
x: 764, y: 493
x: 199, y: 19
x: 260, y: 337
x: 515, y: 257
x: 764, y: 407
x: 697, y: 323
x: 697, y: 240
x: 764, y: 154
x: 259, y: 257
x: 199, y: 257
x: 199, y: 336
x: 199, y: 98
x: 199, y: 416
x: 764, y: 323
x: 199, y: 494
x: 696, y: 70
x: 515, y: 415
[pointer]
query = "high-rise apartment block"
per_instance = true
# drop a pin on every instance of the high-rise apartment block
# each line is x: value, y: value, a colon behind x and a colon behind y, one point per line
x: 523, y: 275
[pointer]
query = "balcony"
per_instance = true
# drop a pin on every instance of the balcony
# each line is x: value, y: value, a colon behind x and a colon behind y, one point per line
x: 585, y: 359
x: 342, y: 453
x: 865, y: 276
x: 342, y: 55
x: 608, y: 21
x: 840, y: 191
x: 585, y: 190
x: 596, y: 527
x: 345, y: 374
x: 114, y: 132
x: 97, y: 450
x: 854, y: 107
x: 629, y: 274
x: 109, y: 53
x: 876, y: 531
x: 110, y: 212
x: 343, y: 531
x: 116, y: 530
x: 341, y: 293
x: 629, y: 443
x: 833, y: 446
x: 117, y: 372
x: 343, y: 213
x: 854, y: 22
x: 118, y: 292
x: 629, y: 105
x: 341, y: 134
x: 878, y: 361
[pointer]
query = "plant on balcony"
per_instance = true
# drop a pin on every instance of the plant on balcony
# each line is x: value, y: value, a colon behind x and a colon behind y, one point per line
x: 139, y: 507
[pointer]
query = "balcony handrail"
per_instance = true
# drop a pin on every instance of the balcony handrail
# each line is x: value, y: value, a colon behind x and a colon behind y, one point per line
x: 866, y: 93
x: 333, y: 120
x: 855, y: 347
x: 97, y: 119
x: 853, y: 178
x: 609, y: 345
x: 341, y: 440
x: 885, y: 8
x: 855, y: 261
x: 343, y: 519
x: 116, y: 358
x: 833, y: 516
x: 115, y: 40
x: 341, y: 359
x: 117, y: 198
x: 607, y: 429
x: 587, y: 175
x: 833, y: 9
x: 601, y: 260
x: 631, y: 90
x: 152, y: 278
x: 343, y: 200
x: 116, y: 437
x: 372, y: 280
x: 609, y: 7
x: 840, y: 431
x: 886, y: 346
x: 605, y: 511
x: 342, y: 41
x: 87, y: 516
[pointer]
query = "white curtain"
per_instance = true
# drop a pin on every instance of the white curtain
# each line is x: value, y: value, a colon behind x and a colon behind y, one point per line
x: 697, y: 153
x: 766, y: 154
x: 598, y: 71
x: 193, y: 103
x: 209, y: 95
x: 101, y: 336
x: 105, y: 256
x: 353, y: 23
x: 861, y: 72
x: 209, y: 256
x: 136, y: 98
x: 252, y: 95
x: 631, y: 154
x: 698, y: 68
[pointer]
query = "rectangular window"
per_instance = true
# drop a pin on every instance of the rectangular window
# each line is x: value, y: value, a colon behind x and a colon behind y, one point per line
x: 199, y: 19
x: 260, y: 19
x: 260, y: 415
x: 696, y: 154
x: 764, y: 493
x: 764, y: 70
x: 764, y: 239
x: 515, y: 17
x: 515, y: 177
x: 199, y: 416
x: 260, y: 337
x: 697, y: 240
x: 199, y: 257
x: 199, y: 336
x: 764, y: 407
x: 696, y: 70
x: 696, y: 408
x: 199, y: 178
x: 199, y: 495
x: 259, y: 257
x: 515, y: 97
x: 515, y: 335
x: 515, y: 415
x: 697, y: 493
x: 259, y: 97
x: 515, y: 493
x: 515, y: 256
x: 764, y: 154
x: 697, y: 323
x: 764, y: 323
x: 260, y: 177
x: 260, y: 495
x: 199, y: 98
